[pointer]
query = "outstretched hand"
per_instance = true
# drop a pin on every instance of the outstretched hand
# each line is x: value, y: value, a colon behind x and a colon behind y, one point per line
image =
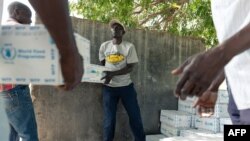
x: 198, y: 72
x: 206, y: 103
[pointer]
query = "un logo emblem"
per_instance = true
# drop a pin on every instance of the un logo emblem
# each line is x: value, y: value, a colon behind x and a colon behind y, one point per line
x: 8, y: 53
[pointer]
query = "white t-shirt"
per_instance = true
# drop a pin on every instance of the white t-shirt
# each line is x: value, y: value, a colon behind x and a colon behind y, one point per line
x: 117, y: 57
x: 229, y: 17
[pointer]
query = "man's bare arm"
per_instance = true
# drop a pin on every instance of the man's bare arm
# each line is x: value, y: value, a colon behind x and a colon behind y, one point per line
x: 110, y: 74
x: 55, y: 16
x: 199, y: 72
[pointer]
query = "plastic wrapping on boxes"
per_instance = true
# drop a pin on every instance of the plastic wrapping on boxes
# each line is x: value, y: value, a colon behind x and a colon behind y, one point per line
x: 224, y: 121
x: 186, y: 106
x: 222, y: 96
x: 193, y: 121
x: 175, y: 118
x: 211, y: 124
x: 194, y: 138
x: 170, y: 131
x: 220, y: 110
x: 195, y: 132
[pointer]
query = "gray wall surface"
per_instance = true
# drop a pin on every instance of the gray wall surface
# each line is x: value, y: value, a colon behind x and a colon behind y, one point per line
x: 77, y: 115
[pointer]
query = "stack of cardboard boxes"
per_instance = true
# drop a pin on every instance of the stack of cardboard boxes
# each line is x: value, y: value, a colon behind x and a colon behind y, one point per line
x: 185, y: 123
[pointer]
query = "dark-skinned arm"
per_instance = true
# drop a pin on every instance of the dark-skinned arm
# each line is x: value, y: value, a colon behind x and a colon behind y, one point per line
x: 199, y: 72
x: 55, y: 16
x: 206, y: 102
x: 110, y: 74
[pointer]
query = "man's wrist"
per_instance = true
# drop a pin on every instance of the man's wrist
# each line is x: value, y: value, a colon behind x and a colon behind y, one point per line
x: 225, y: 54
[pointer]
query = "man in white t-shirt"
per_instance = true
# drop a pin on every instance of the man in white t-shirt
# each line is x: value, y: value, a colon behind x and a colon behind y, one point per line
x: 202, y: 73
x: 119, y: 56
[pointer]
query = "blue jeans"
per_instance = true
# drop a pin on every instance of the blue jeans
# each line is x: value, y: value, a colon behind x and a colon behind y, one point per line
x: 111, y: 97
x: 4, y: 124
x: 20, y: 113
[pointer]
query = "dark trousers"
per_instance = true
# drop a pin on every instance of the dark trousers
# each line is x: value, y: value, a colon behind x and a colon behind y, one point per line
x: 128, y: 96
x: 238, y: 117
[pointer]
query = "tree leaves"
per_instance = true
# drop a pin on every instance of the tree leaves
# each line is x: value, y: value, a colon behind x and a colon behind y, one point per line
x: 180, y: 17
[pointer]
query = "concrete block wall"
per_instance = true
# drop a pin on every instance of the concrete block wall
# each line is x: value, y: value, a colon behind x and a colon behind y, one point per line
x: 77, y: 115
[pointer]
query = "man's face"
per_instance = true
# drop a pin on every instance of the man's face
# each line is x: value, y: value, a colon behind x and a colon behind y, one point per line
x: 117, y: 30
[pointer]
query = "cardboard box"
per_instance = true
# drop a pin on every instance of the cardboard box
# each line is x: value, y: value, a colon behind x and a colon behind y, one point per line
x: 224, y: 121
x: 186, y: 106
x: 222, y: 96
x: 170, y: 131
x: 29, y: 55
x: 175, y: 118
x: 211, y: 124
x: 220, y: 110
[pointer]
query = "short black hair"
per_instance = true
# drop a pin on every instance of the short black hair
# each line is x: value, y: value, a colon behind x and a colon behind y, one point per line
x: 18, y: 6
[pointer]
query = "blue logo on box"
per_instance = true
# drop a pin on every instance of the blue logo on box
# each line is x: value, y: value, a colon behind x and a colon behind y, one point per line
x: 8, y: 52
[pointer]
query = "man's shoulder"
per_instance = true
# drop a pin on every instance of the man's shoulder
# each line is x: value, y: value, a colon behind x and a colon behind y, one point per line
x: 106, y: 43
x: 128, y: 44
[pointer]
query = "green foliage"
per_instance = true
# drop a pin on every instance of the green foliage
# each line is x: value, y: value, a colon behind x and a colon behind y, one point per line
x: 180, y: 17
x: 195, y: 20
x: 105, y: 10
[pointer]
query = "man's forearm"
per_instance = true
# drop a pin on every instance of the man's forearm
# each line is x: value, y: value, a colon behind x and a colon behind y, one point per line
x: 125, y: 70
x: 55, y: 16
x: 237, y: 43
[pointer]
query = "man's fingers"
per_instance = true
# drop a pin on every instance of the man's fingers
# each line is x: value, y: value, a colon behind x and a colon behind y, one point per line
x: 199, y: 110
x: 106, y: 81
x: 180, y: 69
x: 200, y: 92
x: 103, y: 77
x: 196, y: 103
x: 182, y: 96
x: 188, y: 88
x: 180, y: 83
x: 64, y: 87
x: 176, y: 71
x: 68, y: 86
x: 207, y: 111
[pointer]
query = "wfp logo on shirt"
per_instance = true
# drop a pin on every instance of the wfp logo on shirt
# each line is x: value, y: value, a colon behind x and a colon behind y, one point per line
x: 8, y: 52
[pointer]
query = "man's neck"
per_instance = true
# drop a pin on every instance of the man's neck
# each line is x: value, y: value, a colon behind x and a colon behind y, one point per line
x: 117, y: 41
